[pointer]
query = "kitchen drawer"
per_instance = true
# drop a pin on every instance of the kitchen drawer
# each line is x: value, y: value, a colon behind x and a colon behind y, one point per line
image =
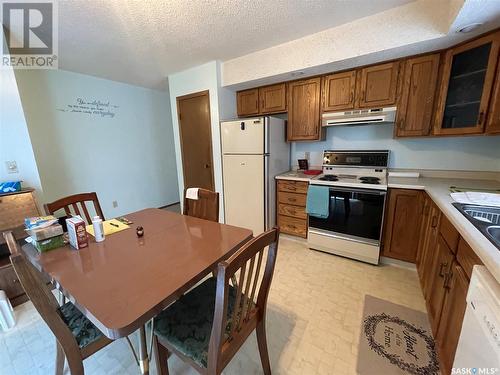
x: 9, y: 282
x: 292, y: 198
x: 294, y: 211
x: 467, y: 257
x: 449, y: 233
x: 293, y: 186
x: 291, y: 225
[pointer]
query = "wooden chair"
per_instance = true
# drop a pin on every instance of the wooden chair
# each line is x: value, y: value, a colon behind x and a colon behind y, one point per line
x: 77, y: 338
x: 208, y: 325
x: 70, y: 205
x: 206, y: 207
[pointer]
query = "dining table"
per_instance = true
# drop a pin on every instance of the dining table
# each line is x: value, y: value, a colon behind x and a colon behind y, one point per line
x: 123, y: 282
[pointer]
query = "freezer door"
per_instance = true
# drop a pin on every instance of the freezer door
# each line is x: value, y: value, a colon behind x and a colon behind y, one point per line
x: 244, y: 191
x: 244, y: 136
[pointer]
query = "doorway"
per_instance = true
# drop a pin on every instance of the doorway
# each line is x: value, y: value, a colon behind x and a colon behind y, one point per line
x: 193, y: 112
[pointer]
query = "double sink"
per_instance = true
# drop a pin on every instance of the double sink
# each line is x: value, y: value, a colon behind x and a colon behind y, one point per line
x: 486, y: 219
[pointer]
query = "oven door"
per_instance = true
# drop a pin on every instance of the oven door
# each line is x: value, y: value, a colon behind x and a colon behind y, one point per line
x: 355, y: 214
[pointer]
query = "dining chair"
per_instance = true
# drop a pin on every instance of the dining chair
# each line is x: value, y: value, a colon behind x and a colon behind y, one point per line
x: 71, y: 205
x: 205, y: 207
x: 207, y: 326
x: 76, y: 337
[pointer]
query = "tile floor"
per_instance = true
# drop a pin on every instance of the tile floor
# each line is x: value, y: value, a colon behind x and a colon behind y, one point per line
x: 314, y: 314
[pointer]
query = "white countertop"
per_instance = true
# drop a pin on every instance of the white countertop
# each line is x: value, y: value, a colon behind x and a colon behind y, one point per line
x: 295, y: 176
x: 438, y: 190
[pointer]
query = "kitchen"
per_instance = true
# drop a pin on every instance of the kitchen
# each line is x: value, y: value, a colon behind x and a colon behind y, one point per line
x: 350, y: 202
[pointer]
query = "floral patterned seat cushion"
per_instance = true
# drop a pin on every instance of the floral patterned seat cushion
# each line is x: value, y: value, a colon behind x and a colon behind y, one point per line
x: 187, y: 324
x: 83, y: 330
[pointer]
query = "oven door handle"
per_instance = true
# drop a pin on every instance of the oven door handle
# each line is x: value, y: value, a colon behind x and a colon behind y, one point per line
x: 357, y: 190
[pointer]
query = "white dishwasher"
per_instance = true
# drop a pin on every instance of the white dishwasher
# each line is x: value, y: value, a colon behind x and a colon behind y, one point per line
x: 478, y: 348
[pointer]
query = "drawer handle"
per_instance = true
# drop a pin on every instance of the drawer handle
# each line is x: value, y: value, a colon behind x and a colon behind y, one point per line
x: 434, y: 222
x: 441, y: 268
x: 447, y: 280
x: 292, y: 199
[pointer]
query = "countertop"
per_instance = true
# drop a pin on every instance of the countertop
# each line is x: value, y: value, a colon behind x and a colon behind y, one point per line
x: 439, y: 190
x: 295, y: 176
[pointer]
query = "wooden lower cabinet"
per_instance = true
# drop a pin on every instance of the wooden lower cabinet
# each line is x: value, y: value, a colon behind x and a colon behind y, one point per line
x: 452, y: 316
x: 291, y: 207
x: 444, y: 265
x: 403, y: 221
x: 11, y: 285
x: 437, y: 276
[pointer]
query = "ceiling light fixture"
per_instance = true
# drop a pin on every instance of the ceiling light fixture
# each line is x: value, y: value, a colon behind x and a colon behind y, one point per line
x: 469, y: 28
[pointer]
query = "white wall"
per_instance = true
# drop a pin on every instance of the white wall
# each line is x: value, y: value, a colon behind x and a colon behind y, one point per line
x: 222, y: 107
x: 129, y: 158
x: 452, y: 153
x: 15, y: 143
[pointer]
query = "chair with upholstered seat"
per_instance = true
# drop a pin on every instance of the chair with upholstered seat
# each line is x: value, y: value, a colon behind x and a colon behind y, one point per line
x: 72, y: 205
x: 208, y: 325
x: 77, y: 338
x: 205, y: 207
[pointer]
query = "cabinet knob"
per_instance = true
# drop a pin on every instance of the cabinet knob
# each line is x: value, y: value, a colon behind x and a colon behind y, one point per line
x: 441, y: 267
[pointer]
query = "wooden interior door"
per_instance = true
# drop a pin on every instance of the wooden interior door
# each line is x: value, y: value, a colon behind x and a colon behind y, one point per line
x: 416, y: 101
x: 272, y: 98
x: 247, y: 102
x: 196, y: 140
x: 377, y: 85
x: 338, y: 91
x: 403, y: 222
x: 304, y: 110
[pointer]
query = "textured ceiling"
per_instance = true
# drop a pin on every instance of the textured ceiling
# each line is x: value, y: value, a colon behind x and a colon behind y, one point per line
x: 142, y: 42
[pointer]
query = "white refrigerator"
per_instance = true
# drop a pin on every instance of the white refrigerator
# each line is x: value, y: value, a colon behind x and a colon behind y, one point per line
x: 254, y: 151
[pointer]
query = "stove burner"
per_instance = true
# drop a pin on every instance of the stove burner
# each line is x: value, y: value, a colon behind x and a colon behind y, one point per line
x: 370, y: 180
x: 329, y: 177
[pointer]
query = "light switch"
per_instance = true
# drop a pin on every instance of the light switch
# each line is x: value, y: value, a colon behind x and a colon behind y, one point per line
x: 11, y: 166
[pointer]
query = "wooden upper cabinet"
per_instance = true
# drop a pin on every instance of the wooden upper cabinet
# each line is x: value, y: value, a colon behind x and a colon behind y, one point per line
x: 248, y: 102
x: 465, y: 89
x: 404, y: 218
x: 377, y: 85
x: 304, y: 110
x: 338, y: 91
x: 452, y: 316
x: 272, y: 98
x: 493, y: 122
x: 416, y: 100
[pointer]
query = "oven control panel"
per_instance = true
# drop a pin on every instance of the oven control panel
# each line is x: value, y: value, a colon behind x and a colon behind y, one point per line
x: 356, y: 158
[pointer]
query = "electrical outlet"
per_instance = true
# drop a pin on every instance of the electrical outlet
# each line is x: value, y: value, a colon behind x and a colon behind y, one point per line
x: 115, y: 204
x: 11, y: 166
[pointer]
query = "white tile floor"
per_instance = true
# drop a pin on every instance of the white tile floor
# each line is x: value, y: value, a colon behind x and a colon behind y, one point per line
x: 314, y: 314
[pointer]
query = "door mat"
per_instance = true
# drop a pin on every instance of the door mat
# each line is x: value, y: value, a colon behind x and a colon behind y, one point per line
x: 395, y: 340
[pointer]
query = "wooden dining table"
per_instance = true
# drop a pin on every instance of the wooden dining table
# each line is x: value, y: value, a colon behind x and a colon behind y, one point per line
x: 123, y: 282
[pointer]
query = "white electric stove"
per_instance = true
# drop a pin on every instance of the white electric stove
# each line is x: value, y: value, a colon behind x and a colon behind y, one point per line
x: 357, y: 184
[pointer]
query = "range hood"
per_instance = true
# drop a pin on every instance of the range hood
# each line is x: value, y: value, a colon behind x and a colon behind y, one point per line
x: 360, y: 117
